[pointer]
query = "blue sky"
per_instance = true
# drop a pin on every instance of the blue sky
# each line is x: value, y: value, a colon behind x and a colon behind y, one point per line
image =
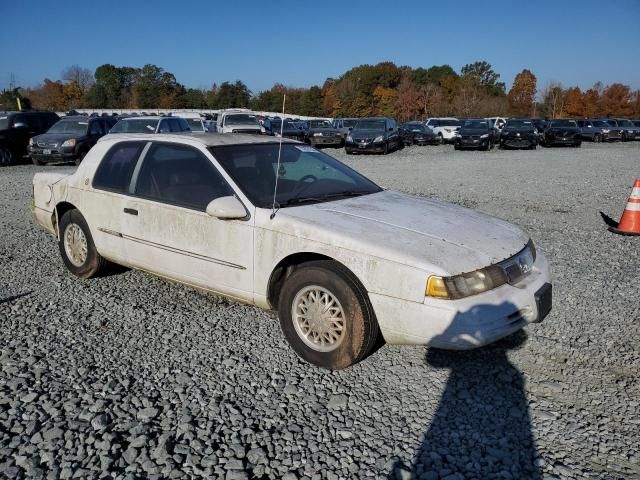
x: 301, y: 43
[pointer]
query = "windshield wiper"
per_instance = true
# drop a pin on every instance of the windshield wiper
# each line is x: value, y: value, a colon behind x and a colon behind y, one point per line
x: 323, y: 198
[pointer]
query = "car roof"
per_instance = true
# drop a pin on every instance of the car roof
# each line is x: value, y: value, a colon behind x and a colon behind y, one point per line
x: 205, y: 139
x: 147, y: 117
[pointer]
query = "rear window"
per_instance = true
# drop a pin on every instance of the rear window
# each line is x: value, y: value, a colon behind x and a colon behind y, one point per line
x: 4, y: 123
x: 138, y: 125
x: 116, y: 168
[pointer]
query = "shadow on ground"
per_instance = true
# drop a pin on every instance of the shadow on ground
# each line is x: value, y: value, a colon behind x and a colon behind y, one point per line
x: 481, y: 428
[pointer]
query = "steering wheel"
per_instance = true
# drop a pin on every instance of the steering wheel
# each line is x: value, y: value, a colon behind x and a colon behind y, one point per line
x: 303, y: 184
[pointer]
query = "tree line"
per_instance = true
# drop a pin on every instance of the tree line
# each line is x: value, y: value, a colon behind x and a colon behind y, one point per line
x: 384, y: 89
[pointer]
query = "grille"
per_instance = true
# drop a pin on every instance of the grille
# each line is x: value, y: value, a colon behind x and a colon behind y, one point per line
x: 47, y: 145
x: 245, y: 130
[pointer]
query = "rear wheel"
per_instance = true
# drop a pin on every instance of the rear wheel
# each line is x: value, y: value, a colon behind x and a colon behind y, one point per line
x: 35, y: 161
x: 386, y: 148
x: 6, y: 157
x: 81, y: 155
x: 597, y: 138
x: 326, y: 316
x: 77, y: 248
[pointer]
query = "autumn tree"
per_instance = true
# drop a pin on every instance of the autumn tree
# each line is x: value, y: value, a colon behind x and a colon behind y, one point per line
x: 407, y: 105
x: 82, y: 77
x: 523, y: 93
x: 616, y: 101
x: 574, y: 103
x: 485, y: 75
x: 553, y: 98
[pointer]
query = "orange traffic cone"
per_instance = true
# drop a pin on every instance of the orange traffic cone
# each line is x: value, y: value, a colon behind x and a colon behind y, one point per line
x: 630, y: 221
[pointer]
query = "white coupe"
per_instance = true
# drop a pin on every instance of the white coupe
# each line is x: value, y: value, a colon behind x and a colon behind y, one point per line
x: 341, y: 259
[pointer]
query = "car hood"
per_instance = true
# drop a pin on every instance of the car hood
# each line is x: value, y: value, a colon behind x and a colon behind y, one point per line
x: 368, y: 133
x: 563, y: 129
x: 55, y: 137
x: 439, y: 237
x: 518, y: 130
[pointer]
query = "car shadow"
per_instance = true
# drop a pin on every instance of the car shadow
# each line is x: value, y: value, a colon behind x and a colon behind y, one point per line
x: 481, y: 428
x: 15, y: 297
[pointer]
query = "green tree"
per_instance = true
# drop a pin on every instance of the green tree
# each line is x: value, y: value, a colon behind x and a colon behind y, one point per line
x: 486, y: 76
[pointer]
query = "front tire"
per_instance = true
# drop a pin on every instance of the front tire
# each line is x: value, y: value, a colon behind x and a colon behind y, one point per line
x: 326, y: 316
x: 6, y: 157
x: 77, y: 248
x: 36, y: 162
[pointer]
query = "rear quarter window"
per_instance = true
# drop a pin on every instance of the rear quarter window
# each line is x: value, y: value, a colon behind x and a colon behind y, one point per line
x: 115, y: 169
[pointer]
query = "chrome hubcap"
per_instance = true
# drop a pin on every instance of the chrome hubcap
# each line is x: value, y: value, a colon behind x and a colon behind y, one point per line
x: 75, y: 245
x: 318, y: 318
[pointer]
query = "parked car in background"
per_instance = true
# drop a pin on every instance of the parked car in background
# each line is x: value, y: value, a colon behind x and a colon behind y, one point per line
x: 540, y: 124
x: 69, y: 140
x: 344, y: 125
x: 240, y: 121
x: 151, y: 124
x: 475, y: 133
x: 561, y: 132
x: 629, y: 130
x: 497, y: 123
x: 417, y: 133
x: 613, y: 132
x: 375, y: 134
x: 289, y: 129
x: 196, y: 122
x: 16, y: 128
x: 519, y: 133
x: 344, y: 262
x: 593, y: 133
x: 636, y: 122
x: 446, y: 128
x: 320, y: 133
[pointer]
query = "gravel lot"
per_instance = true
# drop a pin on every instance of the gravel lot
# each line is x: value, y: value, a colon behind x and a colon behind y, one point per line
x: 128, y: 376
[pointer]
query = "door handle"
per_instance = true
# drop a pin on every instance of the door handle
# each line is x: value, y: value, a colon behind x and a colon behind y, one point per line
x: 131, y: 211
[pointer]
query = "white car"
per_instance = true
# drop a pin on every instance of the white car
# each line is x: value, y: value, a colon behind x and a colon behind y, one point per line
x: 240, y: 121
x: 150, y: 124
x: 444, y: 127
x: 341, y: 259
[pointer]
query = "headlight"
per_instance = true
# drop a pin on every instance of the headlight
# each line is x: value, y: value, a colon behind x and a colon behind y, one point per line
x: 31, y: 142
x: 318, y: 134
x: 447, y: 130
x: 511, y: 270
x: 605, y: 130
x: 349, y: 138
x: 378, y: 139
x: 486, y: 135
x: 466, y: 284
x: 69, y: 143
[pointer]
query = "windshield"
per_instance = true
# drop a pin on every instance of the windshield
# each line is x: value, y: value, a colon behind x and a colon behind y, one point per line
x: 349, y: 123
x: 240, y: 119
x: 476, y: 124
x: 450, y: 123
x: 319, y: 124
x: 70, y: 126
x: 600, y: 124
x: 519, y: 123
x: 305, y: 174
x: 416, y: 127
x: 276, y: 126
x: 563, y: 123
x: 625, y: 123
x: 371, y: 124
x: 195, y: 124
x: 138, y: 125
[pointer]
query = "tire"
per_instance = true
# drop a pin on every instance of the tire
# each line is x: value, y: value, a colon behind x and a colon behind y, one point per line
x: 6, y: 157
x: 386, y: 148
x: 81, y: 155
x: 86, y: 264
x: 327, y: 279
x: 36, y: 162
x: 597, y: 138
x: 456, y: 147
x: 577, y: 145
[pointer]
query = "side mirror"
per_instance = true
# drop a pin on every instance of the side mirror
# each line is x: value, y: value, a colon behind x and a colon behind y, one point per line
x: 226, y: 208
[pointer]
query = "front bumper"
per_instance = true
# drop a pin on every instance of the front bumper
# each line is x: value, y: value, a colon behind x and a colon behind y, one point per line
x: 551, y: 141
x: 466, y: 323
x: 327, y: 141
x: 470, y: 144
x: 352, y: 147
x: 518, y: 142
x: 61, y: 154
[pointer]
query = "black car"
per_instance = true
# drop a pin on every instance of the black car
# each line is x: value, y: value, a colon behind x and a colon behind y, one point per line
x: 475, y: 133
x: 374, y: 134
x: 69, y: 140
x: 16, y: 128
x: 320, y: 133
x: 561, y: 132
x: 519, y: 133
x: 417, y: 133
x: 274, y: 126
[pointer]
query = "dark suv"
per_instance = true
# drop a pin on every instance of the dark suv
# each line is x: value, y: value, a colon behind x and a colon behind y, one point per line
x: 69, y: 140
x: 16, y: 128
x: 376, y: 134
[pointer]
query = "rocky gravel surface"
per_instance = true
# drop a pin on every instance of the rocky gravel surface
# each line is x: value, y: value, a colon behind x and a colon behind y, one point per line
x: 128, y: 376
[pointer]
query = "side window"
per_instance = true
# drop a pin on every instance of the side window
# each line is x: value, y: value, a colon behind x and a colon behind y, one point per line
x: 95, y: 128
x: 114, y: 172
x: 164, y: 126
x: 174, y: 125
x: 180, y: 175
x: 185, y: 125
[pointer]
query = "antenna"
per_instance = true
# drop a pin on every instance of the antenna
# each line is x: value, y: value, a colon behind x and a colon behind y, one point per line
x: 275, y: 188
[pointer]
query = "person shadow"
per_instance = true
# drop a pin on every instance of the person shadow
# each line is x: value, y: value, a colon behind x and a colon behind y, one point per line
x: 481, y: 428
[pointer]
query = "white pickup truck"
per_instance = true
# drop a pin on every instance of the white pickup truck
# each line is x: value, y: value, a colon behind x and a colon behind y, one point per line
x: 341, y: 259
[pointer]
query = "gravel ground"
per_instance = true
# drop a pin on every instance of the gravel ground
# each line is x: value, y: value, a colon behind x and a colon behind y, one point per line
x: 128, y: 376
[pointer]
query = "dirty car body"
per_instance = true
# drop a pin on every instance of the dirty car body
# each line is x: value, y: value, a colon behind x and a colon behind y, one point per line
x: 426, y: 272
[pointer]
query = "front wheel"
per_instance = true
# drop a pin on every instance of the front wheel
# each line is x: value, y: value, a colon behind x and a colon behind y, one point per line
x: 35, y: 161
x: 326, y: 316
x: 77, y: 248
x: 6, y: 157
x: 597, y: 138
